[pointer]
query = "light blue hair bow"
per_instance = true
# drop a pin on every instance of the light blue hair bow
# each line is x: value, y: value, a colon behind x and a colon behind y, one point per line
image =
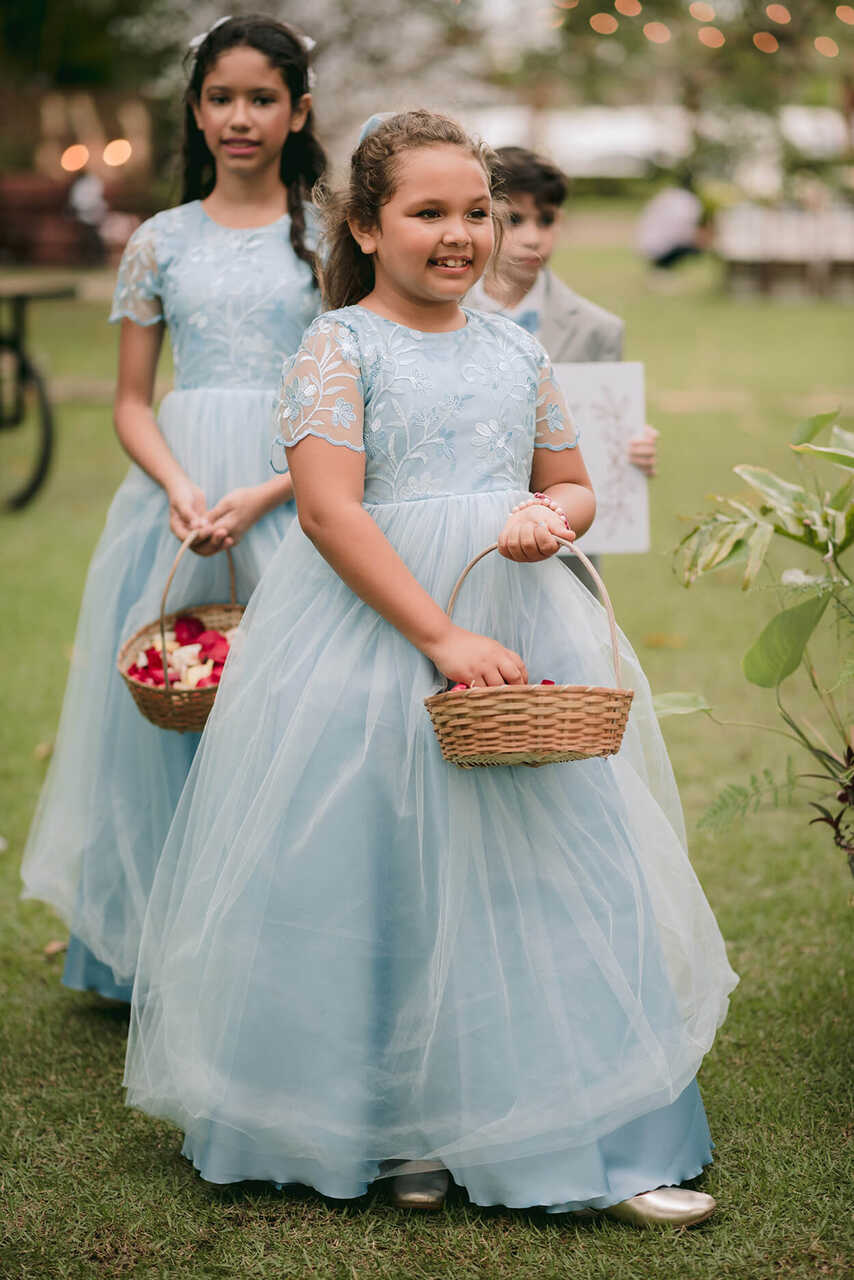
x: 373, y: 123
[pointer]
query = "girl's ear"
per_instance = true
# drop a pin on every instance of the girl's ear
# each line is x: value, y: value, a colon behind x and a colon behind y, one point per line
x: 299, y: 113
x: 366, y: 237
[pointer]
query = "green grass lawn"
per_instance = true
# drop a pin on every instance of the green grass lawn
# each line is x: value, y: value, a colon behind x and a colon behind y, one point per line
x: 90, y: 1189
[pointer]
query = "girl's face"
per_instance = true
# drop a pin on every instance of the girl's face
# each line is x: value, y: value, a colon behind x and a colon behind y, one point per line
x: 245, y: 112
x: 435, y: 234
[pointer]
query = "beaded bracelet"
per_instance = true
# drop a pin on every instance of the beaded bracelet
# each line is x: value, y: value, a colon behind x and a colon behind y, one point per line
x: 542, y: 500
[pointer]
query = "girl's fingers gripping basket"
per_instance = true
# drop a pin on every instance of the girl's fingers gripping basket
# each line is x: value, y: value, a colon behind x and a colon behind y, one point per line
x: 532, y: 724
x: 184, y: 709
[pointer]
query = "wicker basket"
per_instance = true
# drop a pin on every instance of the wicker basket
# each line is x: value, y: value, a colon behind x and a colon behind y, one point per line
x: 532, y: 724
x: 184, y: 710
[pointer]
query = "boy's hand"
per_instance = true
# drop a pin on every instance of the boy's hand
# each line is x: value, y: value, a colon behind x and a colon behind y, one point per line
x: 529, y: 534
x: 229, y: 520
x: 643, y: 451
x: 464, y: 657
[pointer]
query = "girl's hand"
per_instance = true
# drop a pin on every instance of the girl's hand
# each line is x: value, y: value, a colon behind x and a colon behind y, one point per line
x: 229, y: 520
x: 529, y: 534
x: 464, y: 657
x: 643, y: 451
x: 187, y: 507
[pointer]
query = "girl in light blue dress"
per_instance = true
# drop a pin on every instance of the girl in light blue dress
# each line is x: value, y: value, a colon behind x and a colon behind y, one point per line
x: 230, y: 273
x: 360, y: 961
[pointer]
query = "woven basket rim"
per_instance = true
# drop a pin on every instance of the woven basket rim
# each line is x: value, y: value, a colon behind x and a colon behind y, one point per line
x: 548, y: 690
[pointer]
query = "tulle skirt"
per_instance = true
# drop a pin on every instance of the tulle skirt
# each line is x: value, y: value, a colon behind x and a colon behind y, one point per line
x: 115, y: 779
x: 356, y: 953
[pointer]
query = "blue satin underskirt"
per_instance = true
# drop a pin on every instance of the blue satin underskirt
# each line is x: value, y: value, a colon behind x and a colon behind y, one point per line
x: 663, y: 1148
x: 83, y: 972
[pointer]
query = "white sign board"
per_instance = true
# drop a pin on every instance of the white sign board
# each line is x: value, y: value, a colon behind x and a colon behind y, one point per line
x: 606, y: 403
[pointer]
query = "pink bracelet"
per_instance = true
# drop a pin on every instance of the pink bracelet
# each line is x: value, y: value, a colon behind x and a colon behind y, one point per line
x: 542, y: 500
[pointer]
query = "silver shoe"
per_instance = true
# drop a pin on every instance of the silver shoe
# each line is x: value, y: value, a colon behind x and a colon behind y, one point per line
x: 669, y: 1206
x: 420, y: 1190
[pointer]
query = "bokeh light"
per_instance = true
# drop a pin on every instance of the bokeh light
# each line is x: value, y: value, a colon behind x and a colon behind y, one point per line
x: 117, y: 152
x: 778, y: 13
x: 628, y: 8
x: 604, y: 24
x: 702, y: 12
x: 657, y: 32
x: 765, y: 42
x: 845, y: 13
x: 74, y: 158
x: 711, y: 37
x: 826, y: 47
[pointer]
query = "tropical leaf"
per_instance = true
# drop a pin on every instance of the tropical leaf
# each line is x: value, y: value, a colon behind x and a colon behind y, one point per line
x: 678, y: 704
x: 842, y: 497
x: 808, y: 430
x: 839, y: 457
x: 757, y: 549
x: 780, y: 647
x: 842, y: 439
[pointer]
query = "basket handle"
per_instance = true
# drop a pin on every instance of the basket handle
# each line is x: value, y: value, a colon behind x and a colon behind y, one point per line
x: 188, y: 542
x: 606, y: 599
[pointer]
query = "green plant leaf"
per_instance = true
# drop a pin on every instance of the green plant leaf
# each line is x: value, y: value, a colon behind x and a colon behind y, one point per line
x: 841, y: 439
x: 780, y: 647
x: 757, y: 549
x: 840, y: 499
x: 839, y: 457
x: 788, y: 502
x: 809, y: 430
x: 678, y: 704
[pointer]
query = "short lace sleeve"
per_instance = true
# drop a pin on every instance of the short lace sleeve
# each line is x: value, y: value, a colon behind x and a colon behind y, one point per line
x: 555, y: 428
x: 137, y: 295
x: 322, y: 393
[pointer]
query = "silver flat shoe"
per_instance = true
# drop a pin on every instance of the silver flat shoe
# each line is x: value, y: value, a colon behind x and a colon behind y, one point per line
x: 667, y: 1206
x: 424, y: 1191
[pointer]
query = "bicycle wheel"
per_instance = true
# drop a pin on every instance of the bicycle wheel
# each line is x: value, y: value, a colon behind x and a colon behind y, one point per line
x: 26, y: 431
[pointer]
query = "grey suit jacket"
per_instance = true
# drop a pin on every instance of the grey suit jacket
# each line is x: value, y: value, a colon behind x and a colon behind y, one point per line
x: 575, y: 330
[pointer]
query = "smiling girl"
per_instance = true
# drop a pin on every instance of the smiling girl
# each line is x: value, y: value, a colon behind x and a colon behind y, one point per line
x: 360, y: 961
x: 230, y: 273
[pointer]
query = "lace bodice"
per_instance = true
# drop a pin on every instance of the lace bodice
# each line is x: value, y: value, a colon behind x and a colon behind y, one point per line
x: 435, y: 413
x: 235, y: 300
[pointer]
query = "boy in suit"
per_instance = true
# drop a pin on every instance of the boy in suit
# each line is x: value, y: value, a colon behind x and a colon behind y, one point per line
x: 521, y: 286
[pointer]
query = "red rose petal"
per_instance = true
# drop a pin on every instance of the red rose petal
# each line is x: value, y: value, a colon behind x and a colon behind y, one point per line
x: 206, y: 682
x: 214, y: 645
x: 455, y: 687
x: 133, y: 671
x: 188, y: 629
x: 155, y: 662
x: 547, y: 682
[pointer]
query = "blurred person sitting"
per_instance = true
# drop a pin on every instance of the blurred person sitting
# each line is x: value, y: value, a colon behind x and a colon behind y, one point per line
x: 671, y: 225
x: 89, y: 207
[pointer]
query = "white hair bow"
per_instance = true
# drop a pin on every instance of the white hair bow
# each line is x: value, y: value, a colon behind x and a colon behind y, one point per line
x: 197, y: 41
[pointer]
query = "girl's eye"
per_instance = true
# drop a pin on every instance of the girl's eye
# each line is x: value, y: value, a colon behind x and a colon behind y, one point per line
x: 264, y: 102
x: 515, y: 220
x: 428, y: 213
x: 478, y: 214
x: 218, y: 99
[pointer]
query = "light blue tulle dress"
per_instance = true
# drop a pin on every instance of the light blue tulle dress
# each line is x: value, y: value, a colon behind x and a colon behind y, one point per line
x: 235, y: 302
x: 357, y: 954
